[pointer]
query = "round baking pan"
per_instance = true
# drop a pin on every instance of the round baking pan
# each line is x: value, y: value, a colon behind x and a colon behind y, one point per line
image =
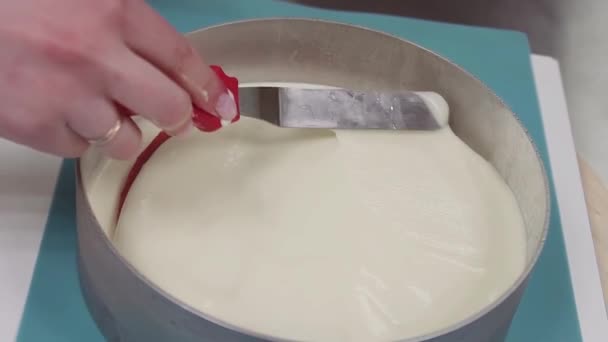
x: 128, y: 307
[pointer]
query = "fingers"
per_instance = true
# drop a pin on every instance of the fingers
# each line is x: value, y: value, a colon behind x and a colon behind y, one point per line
x: 56, y: 138
x: 146, y: 91
x: 97, y: 122
x: 62, y: 142
x: 51, y: 136
x: 148, y: 34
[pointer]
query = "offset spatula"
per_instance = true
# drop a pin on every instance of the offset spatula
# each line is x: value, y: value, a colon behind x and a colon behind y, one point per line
x: 344, y: 109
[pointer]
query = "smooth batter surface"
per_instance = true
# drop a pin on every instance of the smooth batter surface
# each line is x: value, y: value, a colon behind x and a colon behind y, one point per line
x: 323, y: 236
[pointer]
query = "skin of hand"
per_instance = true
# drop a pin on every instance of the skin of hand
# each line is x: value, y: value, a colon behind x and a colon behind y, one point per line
x: 70, y: 69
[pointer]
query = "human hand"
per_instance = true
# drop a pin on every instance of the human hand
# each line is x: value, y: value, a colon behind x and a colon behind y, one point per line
x: 71, y: 69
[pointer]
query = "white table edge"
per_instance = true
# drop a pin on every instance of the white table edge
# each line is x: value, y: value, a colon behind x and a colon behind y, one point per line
x: 588, y: 295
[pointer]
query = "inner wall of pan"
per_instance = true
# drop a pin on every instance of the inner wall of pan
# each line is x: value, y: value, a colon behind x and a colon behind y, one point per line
x: 318, y: 52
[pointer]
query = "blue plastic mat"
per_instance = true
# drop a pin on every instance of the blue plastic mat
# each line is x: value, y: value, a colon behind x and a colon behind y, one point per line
x: 55, y: 310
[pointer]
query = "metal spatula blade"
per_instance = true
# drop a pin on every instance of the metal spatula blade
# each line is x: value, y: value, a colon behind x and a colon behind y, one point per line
x: 344, y: 109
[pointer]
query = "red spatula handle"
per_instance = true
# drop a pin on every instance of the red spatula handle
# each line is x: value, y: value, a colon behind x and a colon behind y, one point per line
x: 203, y: 120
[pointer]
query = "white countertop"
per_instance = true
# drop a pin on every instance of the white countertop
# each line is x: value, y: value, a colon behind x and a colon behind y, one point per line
x: 27, y: 180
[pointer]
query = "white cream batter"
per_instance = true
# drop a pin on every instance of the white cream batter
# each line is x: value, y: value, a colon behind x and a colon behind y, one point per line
x: 322, y: 236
